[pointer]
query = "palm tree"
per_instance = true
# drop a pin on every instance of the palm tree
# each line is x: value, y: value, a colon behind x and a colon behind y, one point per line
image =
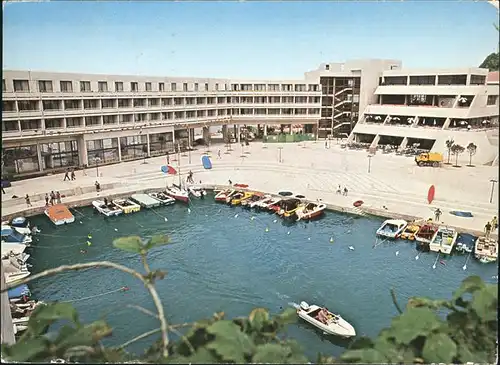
x: 449, y: 145
x: 456, y: 149
x: 471, y: 149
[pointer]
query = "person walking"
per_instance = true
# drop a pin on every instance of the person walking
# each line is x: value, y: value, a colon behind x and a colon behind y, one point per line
x: 73, y: 176
x: 345, y: 191
x: 437, y: 214
x: 52, y: 197
x: 487, y: 229
x: 3, y: 191
x: 97, y: 186
x: 46, y: 199
x: 218, y: 154
x: 168, y: 158
x: 66, y: 174
x: 58, y: 197
x: 494, y: 223
x: 28, y: 202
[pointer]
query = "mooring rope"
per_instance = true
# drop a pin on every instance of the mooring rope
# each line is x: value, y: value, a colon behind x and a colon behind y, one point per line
x: 123, y: 288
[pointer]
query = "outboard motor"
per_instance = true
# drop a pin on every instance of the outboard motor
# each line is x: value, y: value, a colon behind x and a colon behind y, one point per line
x: 304, y: 306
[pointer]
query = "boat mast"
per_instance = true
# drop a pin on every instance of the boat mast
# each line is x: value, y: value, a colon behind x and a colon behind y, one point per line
x: 179, y: 163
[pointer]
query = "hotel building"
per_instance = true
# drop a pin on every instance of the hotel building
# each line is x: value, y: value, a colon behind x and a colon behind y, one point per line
x: 51, y: 121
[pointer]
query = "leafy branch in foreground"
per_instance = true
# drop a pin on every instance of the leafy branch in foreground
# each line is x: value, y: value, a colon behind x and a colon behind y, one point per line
x: 418, y: 335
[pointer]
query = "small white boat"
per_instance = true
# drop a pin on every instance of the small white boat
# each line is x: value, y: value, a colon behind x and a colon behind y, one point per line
x: 10, y: 277
x: 196, y: 192
x: 268, y: 203
x: 486, y: 250
x: 310, y: 211
x: 109, y: 210
x: 163, y: 198
x: 392, y: 228
x: 127, y: 205
x: 10, y: 235
x: 254, y: 200
x: 333, y: 324
x: 12, y: 248
x: 443, y: 240
x: 19, y: 328
x: 59, y: 214
x: 221, y: 196
x: 20, y: 258
x: 178, y: 193
x: 21, y: 225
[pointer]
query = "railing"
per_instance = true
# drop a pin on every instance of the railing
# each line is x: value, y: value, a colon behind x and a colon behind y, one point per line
x: 343, y: 90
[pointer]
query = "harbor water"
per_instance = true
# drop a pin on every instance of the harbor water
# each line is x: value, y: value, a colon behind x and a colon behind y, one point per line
x: 230, y: 259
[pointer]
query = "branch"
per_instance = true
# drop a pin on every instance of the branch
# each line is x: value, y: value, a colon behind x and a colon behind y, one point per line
x: 143, y: 310
x: 108, y: 264
x: 140, y: 337
x: 394, y: 300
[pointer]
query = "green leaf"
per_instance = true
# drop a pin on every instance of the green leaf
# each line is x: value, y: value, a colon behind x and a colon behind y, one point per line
x: 288, y: 316
x: 258, y: 317
x: 439, y: 347
x: 25, y: 351
x: 157, y: 240
x: 202, y: 356
x: 271, y: 353
x: 44, y: 315
x: 413, y: 323
x: 85, y: 336
x: 469, y: 285
x: 230, y: 343
x: 484, y: 303
x: 130, y: 244
x: 416, y: 302
x: 363, y: 355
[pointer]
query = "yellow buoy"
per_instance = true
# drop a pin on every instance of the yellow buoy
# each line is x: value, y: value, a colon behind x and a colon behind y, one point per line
x: 267, y: 229
x: 89, y: 243
x: 89, y: 236
x: 331, y: 239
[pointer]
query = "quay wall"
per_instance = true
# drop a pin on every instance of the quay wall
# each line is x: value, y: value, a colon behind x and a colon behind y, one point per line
x: 6, y: 327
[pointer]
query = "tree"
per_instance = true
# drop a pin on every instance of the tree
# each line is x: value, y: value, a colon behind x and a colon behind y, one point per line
x: 471, y: 149
x: 491, y: 62
x: 449, y: 145
x: 456, y: 149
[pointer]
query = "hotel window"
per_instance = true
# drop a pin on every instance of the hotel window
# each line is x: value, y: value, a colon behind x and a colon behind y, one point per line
x: 148, y: 86
x: 108, y: 103
x: 196, y: 87
x: 17, y: 160
x: 273, y: 87
x: 259, y: 87
x: 216, y: 87
x: 9, y: 106
x: 134, y: 86
x: 235, y: 87
x: 153, y: 102
x: 90, y: 104
x: 95, y: 120
x: 85, y: 86
x: 139, y: 103
x: 109, y: 119
x: 123, y: 103
x: 286, y: 87
x: 452, y: 80
x: 403, y: 80
x: 161, y: 86
x: 422, y: 80
x: 312, y: 87
x: 492, y: 99
x: 51, y: 105
x: 300, y: 87
x: 104, y: 149
x: 66, y: 86
x: 53, y: 123
x: 71, y: 104
x: 4, y: 87
x: 118, y: 86
x: 102, y: 86
x: 477, y: 80
x: 27, y: 105
x: 206, y: 87
x: 10, y: 125
x: 45, y: 86
x: 185, y: 87
x: 246, y: 87
x: 29, y: 125
x: 21, y: 85
x: 74, y: 122
x: 59, y: 154
x: 173, y: 86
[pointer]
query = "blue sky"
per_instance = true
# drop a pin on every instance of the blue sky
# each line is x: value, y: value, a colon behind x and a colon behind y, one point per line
x: 256, y: 40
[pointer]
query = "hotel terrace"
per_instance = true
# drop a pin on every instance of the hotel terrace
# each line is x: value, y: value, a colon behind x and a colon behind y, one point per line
x: 51, y: 121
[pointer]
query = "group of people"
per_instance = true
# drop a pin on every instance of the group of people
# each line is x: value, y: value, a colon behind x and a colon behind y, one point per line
x: 342, y: 191
x: 50, y: 199
x: 490, y: 226
x: 69, y: 174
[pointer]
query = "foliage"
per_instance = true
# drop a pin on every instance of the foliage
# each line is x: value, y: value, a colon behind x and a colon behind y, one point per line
x: 492, y: 62
x: 471, y: 149
x: 449, y: 145
x: 456, y: 149
x: 417, y: 335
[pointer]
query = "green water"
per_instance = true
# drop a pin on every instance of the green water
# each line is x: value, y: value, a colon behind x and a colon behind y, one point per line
x: 222, y: 262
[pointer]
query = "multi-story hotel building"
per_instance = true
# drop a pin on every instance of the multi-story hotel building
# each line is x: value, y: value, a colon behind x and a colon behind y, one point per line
x: 54, y: 120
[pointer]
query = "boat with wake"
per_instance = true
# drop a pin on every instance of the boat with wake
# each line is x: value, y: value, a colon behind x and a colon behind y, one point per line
x: 310, y: 211
x: 109, y: 210
x: 392, y: 228
x: 444, y: 240
x: 222, y: 195
x: 177, y: 193
x: 163, y: 198
x: 486, y: 250
x: 330, y: 323
x: 127, y: 205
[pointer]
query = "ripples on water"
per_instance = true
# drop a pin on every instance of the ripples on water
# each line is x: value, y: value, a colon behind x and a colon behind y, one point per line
x: 219, y: 262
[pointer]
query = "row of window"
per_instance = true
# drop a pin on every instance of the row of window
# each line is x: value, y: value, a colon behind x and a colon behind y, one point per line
x: 47, y: 86
x: 88, y: 104
x: 72, y: 122
x: 431, y: 80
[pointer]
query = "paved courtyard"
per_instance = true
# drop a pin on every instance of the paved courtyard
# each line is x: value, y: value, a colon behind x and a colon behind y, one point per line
x: 394, y: 183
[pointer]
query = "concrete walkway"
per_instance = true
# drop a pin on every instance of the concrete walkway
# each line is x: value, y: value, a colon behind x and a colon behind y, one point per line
x: 394, y: 184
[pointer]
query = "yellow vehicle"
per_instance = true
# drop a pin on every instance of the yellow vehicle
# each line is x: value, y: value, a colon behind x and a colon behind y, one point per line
x: 429, y: 159
x: 246, y: 195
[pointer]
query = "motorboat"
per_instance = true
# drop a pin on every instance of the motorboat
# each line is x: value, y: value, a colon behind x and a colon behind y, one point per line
x: 127, y: 205
x: 486, y: 250
x: 288, y: 208
x: 10, y: 235
x: 409, y: 232
x: 21, y: 224
x: 12, y: 248
x: 424, y: 236
x: 109, y: 210
x: 163, y: 198
x: 237, y: 195
x: 253, y: 200
x: 59, y: 214
x: 310, y: 211
x: 275, y: 205
x: 465, y: 243
x: 221, y: 196
x: 246, y: 195
x: 21, y: 258
x: 19, y: 294
x: 10, y: 277
x: 178, y: 193
x: 196, y: 192
x: 392, y: 228
x: 264, y: 203
x: 332, y: 324
x: 443, y: 240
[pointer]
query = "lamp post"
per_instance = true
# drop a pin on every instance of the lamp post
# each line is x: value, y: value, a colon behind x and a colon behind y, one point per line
x: 369, y: 163
x: 96, y: 160
x: 493, y: 182
x: 279, y: 156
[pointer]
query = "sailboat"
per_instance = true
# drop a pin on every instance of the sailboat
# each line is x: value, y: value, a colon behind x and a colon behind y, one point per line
x: 176, y: 191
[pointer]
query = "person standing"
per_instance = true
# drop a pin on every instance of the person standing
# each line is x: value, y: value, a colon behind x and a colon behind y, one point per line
x: 66, y: 174
x: 437, y: 214
x: 494, y: 223
x: 46, y: 199
x: 73, y: 176
x: 97, y: 186
x: 168, y: 158
x: 28, y: 202
x: 52, y: 197
x: 58, y: 197
x: 218, y: 154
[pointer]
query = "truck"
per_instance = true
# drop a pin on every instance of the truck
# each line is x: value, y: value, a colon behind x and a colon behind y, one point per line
x: 429, y: 159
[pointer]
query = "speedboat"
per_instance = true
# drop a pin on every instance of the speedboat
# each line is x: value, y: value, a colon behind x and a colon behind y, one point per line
x: 237, y: 195
x: 163, y: 198
x: 424, y: 236
x: 21, y: 224
x: 221, y: 196
x: 12, y: 248
x: 196, y: 192
x: 246, y: 195
x: 127, y: 205
x: 10, y: 235
x: 392, y: 228
x: 409, y: 232
x: 333, y: 325
x: 486, y: 250
x: 264, y: 203
x: 177, y: 193
x: 253, y: 200
x: 59, y: 214
x: 465, y: 243
x: 443, y: 240
x: 310, y: 211
x: 288, y: 208
x: 109, y: 210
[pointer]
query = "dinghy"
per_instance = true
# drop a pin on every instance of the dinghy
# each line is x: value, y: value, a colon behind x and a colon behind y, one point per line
x: 410, y: 231
x: 163, y: 198
x: 310, y: 211
x: 221, y: 196
x: 289, y: 207
x: 10, y: 277
x: 196, y: 192
x: 109, y: 210
x: 486, y: 250
x: 238, y: 200
x: 392, y: 228
x: 127, y: 205
x: 264, y: 203
x: 328, y: 322
x: 236, y: 196
x: 443, y: 240
x: 59, y: 214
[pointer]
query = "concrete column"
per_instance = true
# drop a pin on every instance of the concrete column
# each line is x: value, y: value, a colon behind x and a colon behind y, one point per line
x: 82, y: 151
x: 315, y: 129
x: 375, y: 141
x: 446, y: 124
x: 258, y: 130
x: 39, y: 155
x: 235, y: 130
x: 403, y: 144
x: 119, y: 150
x: 148, y: 145
x: 238, y: 129
x: 173, y: 137
x: 206, y: 135
x: 265, y: 130
x: 291, y: 130
x: 7, y: 327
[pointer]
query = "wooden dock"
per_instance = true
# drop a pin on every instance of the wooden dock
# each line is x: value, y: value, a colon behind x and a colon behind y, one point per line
x: 144, y: 200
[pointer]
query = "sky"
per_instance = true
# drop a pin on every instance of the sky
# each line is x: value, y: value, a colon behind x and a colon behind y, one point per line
x: 243, y: 40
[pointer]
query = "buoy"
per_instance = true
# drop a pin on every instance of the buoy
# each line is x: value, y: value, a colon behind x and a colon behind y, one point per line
x: 166, y: 220
x: 351, y: 248
x: 331, y: 239
x: 189, y: 211
x: 397, y: 253
x: 236, y: 216
x: 89, y: 243
x: 81, y: 222
x: 288, y: 232
x: 267, y: 229
x: 116, y: 229
x: 89, y: 236
x: 308, y: 238
x: 252, y: 218
x: 274, y: 221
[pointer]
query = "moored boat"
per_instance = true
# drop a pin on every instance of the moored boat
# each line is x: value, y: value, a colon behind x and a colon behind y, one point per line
x: 21, y: 224
x: 12, y: 248
x: 177, y: 193
x: 163, y: 198
x: 409, y: 232
x: 275, y: 205
x: 221, y: 196
x: 443, y: 240
x: 197, y: 192
x: 465, y: 243
x: 237, y: 195
x: 127, y: 205
x: 253, y: 200
x: 330, y: 323
x: 392, y: 228
x: 424, y: 236
x: 109, y: 210
x: 238, y: 200
x: 10, y: 277
x: 486, y: 250
x: 289, y: 207
x: 59, y: 214
x: 264, y: 203
x: 12, y: 236
x: 310, y: 211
